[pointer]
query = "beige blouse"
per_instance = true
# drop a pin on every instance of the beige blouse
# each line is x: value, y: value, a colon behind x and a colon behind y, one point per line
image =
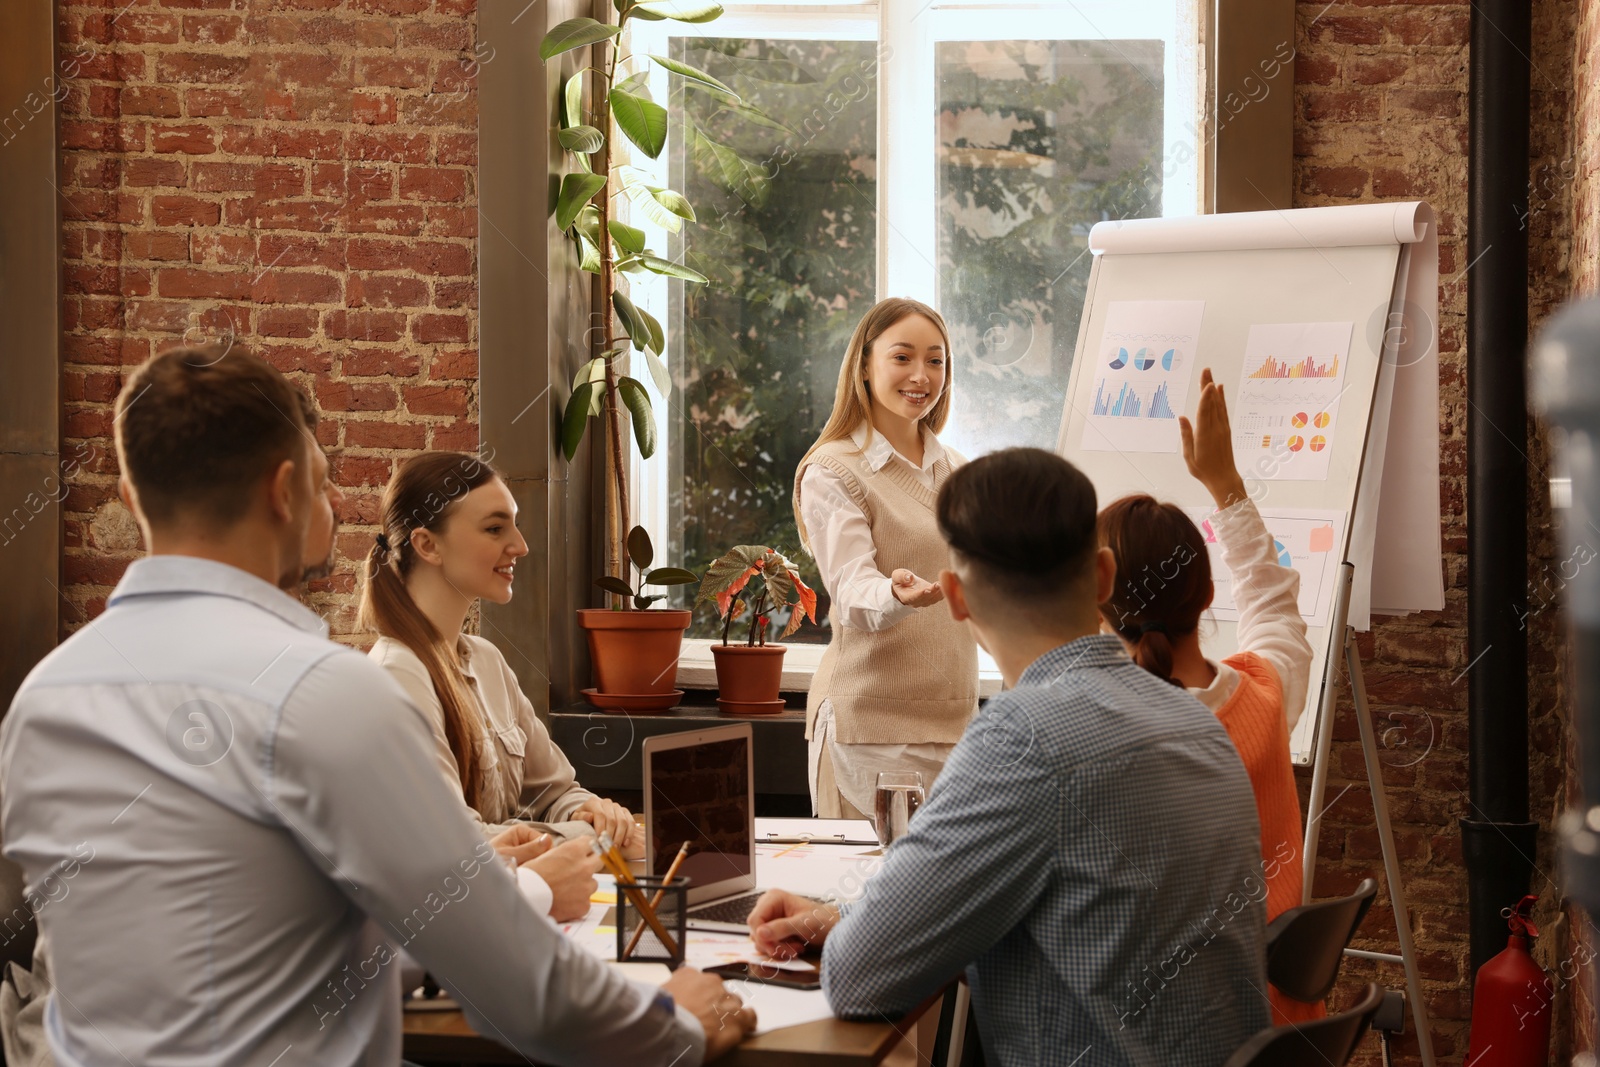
x: 523, y: 775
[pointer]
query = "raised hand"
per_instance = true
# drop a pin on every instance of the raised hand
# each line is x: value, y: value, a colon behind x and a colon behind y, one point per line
x: 1208, y: 445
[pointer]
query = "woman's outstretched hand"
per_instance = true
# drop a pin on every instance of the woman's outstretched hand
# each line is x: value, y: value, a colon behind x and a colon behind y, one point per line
x: 1208, y: 445
x: 913, y: 591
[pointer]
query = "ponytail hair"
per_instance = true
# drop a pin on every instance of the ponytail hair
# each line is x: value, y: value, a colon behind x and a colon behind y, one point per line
x: 419, y: 496
x: 1163, y: 578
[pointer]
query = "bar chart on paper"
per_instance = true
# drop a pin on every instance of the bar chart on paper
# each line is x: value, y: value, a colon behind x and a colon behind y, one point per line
x: 1130, y: 403
x: 1142, y: 379
x: 1285, y: 410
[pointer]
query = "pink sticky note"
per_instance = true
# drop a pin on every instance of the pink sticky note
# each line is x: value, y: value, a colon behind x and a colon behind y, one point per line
x: 1322, y: 538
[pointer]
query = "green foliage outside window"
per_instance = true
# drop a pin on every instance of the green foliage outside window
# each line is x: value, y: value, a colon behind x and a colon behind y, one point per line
x: 1040, y: 140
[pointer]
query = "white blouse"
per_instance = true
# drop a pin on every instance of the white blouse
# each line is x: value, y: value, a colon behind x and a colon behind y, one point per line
x: 841, y: 538
x: 1267, y: 595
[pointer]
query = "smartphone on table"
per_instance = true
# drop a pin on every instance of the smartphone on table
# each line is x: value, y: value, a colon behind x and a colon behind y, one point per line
x: 768, y: 974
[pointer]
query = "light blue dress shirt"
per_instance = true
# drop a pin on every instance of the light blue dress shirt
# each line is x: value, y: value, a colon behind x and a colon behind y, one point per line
x: 234, y: 822
x: 1090, y: 857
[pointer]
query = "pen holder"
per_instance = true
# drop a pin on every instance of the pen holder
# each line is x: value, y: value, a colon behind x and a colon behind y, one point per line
x: 671, y: 911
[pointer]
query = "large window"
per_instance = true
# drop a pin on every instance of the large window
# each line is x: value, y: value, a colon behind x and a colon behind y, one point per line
x: 957, y: 153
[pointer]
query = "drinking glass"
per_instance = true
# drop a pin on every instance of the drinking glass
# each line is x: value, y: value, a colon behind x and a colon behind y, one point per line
x: 898, y: 797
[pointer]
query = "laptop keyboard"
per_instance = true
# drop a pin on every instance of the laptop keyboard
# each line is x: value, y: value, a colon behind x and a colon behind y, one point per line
x: 731, y: 910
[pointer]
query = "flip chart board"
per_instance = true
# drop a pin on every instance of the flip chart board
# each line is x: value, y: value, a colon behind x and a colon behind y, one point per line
x: 1321, y: 323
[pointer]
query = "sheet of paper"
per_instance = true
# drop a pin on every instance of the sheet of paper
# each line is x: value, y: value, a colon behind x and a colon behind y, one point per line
x: 816, y: 871
x: 777, y: 1007
x: 1307, y: 539
x: 1144, y: 365
x: 1285, y: 413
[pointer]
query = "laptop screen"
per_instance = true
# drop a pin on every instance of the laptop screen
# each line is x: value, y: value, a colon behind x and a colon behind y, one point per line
x: 701, y: 794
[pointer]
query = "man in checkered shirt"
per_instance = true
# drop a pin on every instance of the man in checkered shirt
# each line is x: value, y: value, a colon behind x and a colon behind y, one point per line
x: 1090, y: 855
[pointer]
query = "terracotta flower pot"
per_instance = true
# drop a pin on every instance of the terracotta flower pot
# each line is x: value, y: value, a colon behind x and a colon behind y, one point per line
x: 634, y: 652
x: 748, y: 675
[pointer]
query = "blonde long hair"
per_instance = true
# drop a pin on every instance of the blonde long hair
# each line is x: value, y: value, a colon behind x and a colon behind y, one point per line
x: 852, y: 402
x: 420, y: 495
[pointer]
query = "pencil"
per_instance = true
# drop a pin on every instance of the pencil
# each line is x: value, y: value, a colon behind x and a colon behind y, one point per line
x: 619, y: 870
x: 655, y: 902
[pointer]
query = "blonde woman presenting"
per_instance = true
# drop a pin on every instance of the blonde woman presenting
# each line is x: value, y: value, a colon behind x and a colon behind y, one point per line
x: 898, y: 682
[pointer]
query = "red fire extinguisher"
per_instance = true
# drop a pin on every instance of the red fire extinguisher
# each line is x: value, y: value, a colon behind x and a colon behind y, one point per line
x: 1511, y: 1002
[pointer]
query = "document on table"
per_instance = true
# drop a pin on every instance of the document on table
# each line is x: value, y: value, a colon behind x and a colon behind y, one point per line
x: 819, y: 830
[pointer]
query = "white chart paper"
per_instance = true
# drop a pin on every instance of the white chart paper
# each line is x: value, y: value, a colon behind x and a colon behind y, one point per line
x: 1307, y: 539
x: 1143, y: 368
x: 1285, y: 413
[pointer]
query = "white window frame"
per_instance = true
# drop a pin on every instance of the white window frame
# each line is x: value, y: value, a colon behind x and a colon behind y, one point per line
x: 907, y: 222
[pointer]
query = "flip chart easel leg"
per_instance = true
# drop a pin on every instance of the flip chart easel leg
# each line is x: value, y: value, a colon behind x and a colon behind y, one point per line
x: 1391, y: 860
x: 1380, y: 804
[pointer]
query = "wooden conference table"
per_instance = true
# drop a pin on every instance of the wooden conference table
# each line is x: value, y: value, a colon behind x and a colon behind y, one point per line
x: 446, y: 1036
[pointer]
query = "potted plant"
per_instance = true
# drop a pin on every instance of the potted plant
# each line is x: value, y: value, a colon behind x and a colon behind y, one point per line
x: 749, y: 673
x: 635, y: 652
x: 608, y: 247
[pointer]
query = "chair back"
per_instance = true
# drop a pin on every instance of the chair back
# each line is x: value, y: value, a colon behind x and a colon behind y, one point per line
x: 1305, y: 945
x: 1330, y: 1041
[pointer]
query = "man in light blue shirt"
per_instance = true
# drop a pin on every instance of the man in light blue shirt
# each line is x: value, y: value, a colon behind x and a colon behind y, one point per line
x: 234, y: 825
x: 1089, y: 855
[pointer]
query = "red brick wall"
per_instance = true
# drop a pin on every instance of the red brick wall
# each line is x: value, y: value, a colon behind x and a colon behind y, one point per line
x: 301, y: 172
x: 1584, y: 168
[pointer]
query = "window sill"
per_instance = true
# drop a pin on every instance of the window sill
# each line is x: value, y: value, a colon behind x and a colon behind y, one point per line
x: 697, y: 670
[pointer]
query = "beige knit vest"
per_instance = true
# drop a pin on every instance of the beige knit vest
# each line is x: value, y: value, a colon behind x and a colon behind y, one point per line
x: 917, y: 681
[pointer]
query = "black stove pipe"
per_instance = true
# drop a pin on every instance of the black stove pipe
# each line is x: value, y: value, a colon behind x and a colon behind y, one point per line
x: 1496, y: 837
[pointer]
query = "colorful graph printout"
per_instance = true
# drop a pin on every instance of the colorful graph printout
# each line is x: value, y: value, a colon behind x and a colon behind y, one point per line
x: 1292, y: 376
x: 1144, y: 364
x: 1303, y: 538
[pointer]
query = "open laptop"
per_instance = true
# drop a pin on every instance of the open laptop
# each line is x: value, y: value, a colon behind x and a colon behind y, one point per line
x: 699, y: 786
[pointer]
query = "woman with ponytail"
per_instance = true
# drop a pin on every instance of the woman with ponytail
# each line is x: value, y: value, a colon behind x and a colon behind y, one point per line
x: 449, y: 538
x: 1163, y: 586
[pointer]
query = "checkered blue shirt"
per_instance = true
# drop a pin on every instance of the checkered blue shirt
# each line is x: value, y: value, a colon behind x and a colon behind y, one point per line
x: 1090, y: 856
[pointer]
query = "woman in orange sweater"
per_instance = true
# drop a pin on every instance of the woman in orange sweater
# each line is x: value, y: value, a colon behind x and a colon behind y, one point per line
x: 1164, y: 586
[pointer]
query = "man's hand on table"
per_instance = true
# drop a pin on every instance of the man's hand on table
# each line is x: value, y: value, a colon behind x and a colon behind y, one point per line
x: 723, y: 1014
x: 521, y: 843
x: 569, y: 870
x: 784, y: 925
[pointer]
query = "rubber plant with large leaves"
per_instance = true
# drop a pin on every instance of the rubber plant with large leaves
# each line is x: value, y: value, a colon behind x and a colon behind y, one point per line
x: 609, y: 247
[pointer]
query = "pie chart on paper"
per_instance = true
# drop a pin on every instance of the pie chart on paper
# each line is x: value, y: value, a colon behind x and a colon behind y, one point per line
x: 1142, y: 360
x: 1283, y: 553
x: 1166, y: 358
